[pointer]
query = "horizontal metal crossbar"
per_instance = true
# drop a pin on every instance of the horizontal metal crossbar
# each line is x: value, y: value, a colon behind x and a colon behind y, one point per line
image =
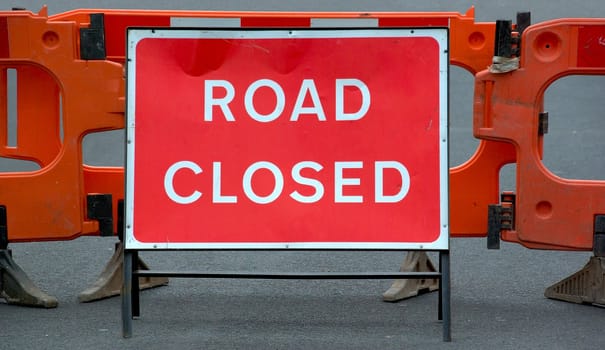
x: 288, y: 275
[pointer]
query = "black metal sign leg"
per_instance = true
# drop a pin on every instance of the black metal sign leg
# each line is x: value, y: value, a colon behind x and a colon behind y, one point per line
x: 440, y: 309
x: 136, y: 288
x: 444, y: 258
x: 127, y: 295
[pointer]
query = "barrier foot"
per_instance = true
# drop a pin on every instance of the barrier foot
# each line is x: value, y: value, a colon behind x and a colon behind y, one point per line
x: 16, y: 288
x: 415, y: 261
x: 109, y: 282
x: 586, y: 286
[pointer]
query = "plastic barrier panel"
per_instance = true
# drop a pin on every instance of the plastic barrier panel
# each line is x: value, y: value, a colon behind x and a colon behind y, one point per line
x: 549, y: 212
x: 60, y: 98
x: 471, y: 47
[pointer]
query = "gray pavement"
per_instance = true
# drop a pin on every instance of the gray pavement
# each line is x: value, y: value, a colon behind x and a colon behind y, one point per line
x: 497, y: 296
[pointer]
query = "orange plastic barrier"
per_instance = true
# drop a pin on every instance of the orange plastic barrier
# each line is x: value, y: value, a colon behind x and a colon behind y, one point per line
x: 54, y: 88
x: 88, y: 96
x: 549, y: 212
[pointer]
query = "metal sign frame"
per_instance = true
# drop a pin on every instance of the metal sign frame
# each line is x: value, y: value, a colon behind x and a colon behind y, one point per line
x: 131, y: 288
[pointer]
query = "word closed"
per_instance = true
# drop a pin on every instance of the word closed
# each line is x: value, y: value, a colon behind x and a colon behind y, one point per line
x: 340, y: 181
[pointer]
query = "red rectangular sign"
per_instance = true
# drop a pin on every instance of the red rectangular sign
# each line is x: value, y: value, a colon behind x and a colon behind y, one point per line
x: 287, y: 139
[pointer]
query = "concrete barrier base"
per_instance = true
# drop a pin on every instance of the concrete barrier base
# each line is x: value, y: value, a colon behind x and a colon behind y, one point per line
x: 587, y: 286
x: 17, y: 288
x: 109, y: 282
x: 415, y: 261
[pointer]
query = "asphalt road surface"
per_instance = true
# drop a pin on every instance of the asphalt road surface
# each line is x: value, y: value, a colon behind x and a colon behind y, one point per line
x: 497, y: 296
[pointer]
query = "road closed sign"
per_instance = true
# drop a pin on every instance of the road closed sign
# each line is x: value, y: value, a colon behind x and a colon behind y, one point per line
x: 303, y: 139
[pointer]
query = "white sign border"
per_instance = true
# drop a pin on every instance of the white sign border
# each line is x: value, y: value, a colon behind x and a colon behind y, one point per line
x: 440, y: 35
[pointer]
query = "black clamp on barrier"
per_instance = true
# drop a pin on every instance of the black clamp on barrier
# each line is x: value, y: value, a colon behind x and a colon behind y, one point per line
x: 100, y: 208
x: 507, y: 43
x: 92, y: 39
x: 500, y: 217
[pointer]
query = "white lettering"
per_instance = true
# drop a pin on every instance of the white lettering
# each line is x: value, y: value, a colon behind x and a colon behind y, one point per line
x: 279, y: 105
x: 340, y: 181
x: 340, y: 103
x: 223, y: 103
x: 308, y: 86
x: 379, y: 167
x: 383, y: 193
x: 298, y: 178
x: 247, y: 182
x: 169, y: 182
x: 217, y: 197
